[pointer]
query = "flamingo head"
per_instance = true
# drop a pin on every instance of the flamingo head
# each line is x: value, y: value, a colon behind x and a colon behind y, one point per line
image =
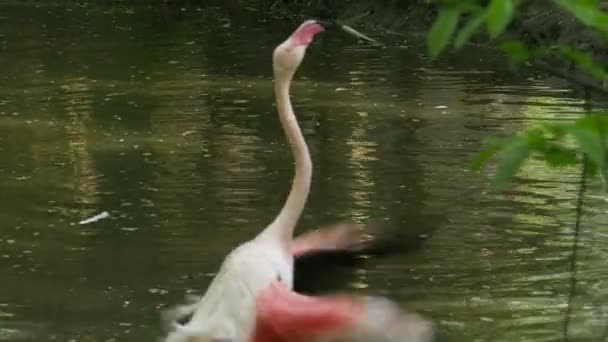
x: 288, y: 56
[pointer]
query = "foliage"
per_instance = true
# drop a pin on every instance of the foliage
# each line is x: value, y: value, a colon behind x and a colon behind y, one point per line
x: 557, y: 144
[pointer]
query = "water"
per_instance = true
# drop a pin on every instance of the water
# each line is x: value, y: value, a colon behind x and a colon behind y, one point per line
x: 165, y: 120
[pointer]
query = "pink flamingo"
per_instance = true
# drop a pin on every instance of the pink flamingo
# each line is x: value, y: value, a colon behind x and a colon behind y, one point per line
x: 251, y: 299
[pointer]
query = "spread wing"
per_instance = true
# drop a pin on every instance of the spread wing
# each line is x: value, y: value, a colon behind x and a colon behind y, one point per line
x: 326, y: 258
x: 283, y: 315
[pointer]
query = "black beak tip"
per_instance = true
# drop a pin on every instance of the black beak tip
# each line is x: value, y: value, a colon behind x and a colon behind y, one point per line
x: 327, y: 23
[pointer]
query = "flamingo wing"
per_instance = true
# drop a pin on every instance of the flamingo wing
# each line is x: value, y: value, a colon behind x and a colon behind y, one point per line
x: 285, y: 316
x: 332, y: 238
x: 326, y: 257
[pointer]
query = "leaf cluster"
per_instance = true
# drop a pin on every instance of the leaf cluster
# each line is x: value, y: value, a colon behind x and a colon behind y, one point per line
x: 560, y: 144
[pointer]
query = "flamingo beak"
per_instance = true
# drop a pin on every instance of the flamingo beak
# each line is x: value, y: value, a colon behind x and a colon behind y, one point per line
x: 334, y: 23
x: 327, y: 24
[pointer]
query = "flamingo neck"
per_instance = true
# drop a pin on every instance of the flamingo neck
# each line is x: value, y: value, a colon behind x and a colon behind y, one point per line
x: 284, y: 224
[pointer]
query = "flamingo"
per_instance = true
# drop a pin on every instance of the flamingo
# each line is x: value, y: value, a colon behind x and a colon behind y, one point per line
x: 252, y: 298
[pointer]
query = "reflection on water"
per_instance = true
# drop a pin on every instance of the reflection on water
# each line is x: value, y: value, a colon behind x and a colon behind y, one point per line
x: 168, y: 125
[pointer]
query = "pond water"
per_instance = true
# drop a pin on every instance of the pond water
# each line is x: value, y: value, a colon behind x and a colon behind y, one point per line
x: 165, y: 120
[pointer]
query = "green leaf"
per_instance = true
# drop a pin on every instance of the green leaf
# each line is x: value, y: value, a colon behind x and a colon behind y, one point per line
x: 516, y: 51
x: 590, y: 142
x: 592, y: 169
x: 583, y: 61
x: 587, y: 11
x: 442, y: 30
x: 491, y: 148
x: 513, y: 157
x: 559, y: 156
x: 597, y: 122
x: 536, y: 139
x: 500, y: 13
x: 557, y: 131
x: 469, y: 29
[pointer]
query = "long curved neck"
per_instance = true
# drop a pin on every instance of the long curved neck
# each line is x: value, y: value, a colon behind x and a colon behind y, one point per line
x: 284, y: 224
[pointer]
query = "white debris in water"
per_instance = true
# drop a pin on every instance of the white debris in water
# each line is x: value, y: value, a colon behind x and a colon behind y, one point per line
x: 158, y: 291
x: 6, y: 314
x: 95, y: 218
x: 440, y: 107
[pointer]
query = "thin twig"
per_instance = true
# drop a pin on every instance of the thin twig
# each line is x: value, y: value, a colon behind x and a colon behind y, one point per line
x: 577, y: 227
x: 573, y: 255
